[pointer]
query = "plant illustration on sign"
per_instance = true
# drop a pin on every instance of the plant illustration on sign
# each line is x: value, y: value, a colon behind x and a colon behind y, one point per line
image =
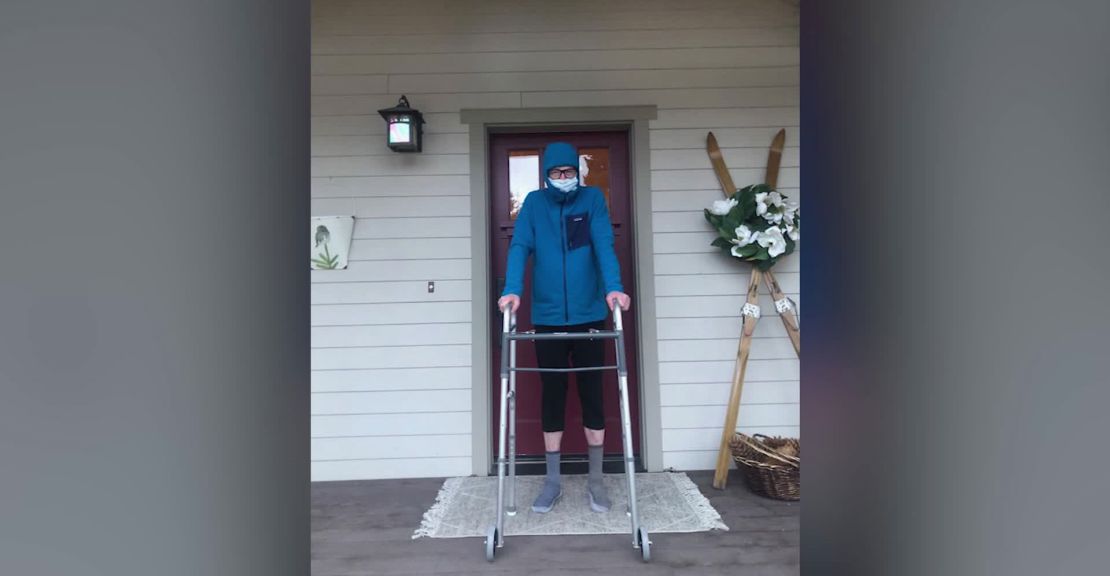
x: 325, y: 260
x: 329, y: 242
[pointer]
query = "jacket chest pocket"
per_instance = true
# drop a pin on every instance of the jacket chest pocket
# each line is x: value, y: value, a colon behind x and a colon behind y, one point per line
x: 578, y: 230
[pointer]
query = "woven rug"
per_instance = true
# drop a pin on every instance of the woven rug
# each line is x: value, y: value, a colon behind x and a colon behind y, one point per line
x: 666, y: 501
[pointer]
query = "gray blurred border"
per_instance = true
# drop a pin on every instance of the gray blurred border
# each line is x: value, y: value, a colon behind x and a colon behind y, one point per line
x: 956, y: 385
x: 154, y: 350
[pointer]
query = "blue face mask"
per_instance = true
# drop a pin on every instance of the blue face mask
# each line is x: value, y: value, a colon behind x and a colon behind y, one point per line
x: 566, y: 185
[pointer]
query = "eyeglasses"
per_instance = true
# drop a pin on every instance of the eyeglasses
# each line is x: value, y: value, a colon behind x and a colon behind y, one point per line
x: 557, y: 174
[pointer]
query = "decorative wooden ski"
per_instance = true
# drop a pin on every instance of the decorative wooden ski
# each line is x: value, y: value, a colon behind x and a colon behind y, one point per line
x: 719, y: 167
x: 784, y: 306
x: 750, y: 313
x: 774, y: 157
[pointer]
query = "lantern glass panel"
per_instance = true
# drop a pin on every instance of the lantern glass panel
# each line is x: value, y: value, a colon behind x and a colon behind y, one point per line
x: 400, y: 131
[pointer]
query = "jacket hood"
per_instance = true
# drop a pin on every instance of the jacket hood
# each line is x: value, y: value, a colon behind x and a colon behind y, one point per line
x: 559, y: 154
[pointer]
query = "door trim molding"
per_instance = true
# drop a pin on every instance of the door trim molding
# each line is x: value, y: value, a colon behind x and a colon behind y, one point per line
x: 634, y: 118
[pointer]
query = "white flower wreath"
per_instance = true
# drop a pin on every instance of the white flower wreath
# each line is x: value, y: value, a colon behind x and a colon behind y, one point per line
x: 758, y: 224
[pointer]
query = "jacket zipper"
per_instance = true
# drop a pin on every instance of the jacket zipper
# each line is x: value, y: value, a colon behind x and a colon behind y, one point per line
x: 563, y: 229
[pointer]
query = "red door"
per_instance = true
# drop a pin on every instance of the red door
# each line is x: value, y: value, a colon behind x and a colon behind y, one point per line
x: 515, y: 169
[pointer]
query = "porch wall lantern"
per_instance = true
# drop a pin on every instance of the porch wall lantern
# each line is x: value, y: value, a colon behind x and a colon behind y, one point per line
x: 405, y: 130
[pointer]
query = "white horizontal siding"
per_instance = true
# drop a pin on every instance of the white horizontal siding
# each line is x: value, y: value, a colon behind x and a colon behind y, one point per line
x: 427, y: 314
x: 476, y: 17
x: 712, y: 306
x: 391, y: 335
x: 391, y: 270
x: 715, y: 262
x: 669, y: 98
x: 391, y: 377
x: 384, y: 379
x: 439, y: 227
x: 701, y: 371
x: 582, y: 80
x: 358, y: 292
x: 736, y: 157
x: 411, y: 423
x: 412, y: 399
x: 694, y: 178
x: 432, y: 103
x: 732, y: 139
x: 722, y: 349
x: 404, y: 467
x: 391, y: 447
x: 548, y: 41
x: 684, y: 417
x: 402, y: 185
x: 349, y: 358
x: 727, y: 327
x: 411, y: 248
x: 393, y: 207
x: 759, y: 392
x: 712, y: 285
x: 371, y: 145
x: 395, y: 165
x: 776, y: 117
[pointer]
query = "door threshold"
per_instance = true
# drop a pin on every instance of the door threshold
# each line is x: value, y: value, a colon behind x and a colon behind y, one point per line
x: 572, y: 464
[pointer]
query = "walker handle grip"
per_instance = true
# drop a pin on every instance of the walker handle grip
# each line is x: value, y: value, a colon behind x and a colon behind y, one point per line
x: 508, y: 319
x: 615, y: 305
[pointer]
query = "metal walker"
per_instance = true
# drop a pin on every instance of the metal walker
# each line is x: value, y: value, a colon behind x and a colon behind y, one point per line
x: 495, y: 536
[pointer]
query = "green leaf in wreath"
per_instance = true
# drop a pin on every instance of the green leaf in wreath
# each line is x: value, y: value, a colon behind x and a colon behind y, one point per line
x: 721, y: 242
x: 732, y: 221
x: 746, y: 206
x: 749, y: 250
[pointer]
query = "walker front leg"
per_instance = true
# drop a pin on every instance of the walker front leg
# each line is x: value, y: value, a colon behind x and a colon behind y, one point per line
x: 512, y: 420
x: 629, y: 460
x: 501, y: 429
x: 626, y: 425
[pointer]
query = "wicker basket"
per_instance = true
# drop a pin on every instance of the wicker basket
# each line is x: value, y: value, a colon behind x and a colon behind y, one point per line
x: 771, y: 466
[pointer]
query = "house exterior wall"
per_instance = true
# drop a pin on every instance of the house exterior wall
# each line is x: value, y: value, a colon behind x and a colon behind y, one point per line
x: 391, y: 381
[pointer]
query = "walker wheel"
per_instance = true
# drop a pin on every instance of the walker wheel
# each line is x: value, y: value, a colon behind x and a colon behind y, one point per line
x: 645, y: 544
x: 491, y: 543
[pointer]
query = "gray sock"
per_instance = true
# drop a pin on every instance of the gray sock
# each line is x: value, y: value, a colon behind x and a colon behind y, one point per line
x: 595, y: 464
x: 552, y: 468
x: 595, y: 486
x: 551, y: 490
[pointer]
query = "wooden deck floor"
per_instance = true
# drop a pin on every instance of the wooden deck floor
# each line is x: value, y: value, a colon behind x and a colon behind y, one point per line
x: 365, y: 527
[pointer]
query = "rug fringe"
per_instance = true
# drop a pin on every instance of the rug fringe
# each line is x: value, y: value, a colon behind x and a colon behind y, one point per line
x: 434, y: 515
x: 707, y: 515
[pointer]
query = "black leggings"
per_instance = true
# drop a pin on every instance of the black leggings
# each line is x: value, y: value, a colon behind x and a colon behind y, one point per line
x: 583, y: 353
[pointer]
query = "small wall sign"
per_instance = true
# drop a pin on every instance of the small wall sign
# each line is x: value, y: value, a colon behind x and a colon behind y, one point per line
x: 330, y: 241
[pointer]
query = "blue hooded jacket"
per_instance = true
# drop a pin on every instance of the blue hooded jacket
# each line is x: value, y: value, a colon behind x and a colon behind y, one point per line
x: 570, y: 239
